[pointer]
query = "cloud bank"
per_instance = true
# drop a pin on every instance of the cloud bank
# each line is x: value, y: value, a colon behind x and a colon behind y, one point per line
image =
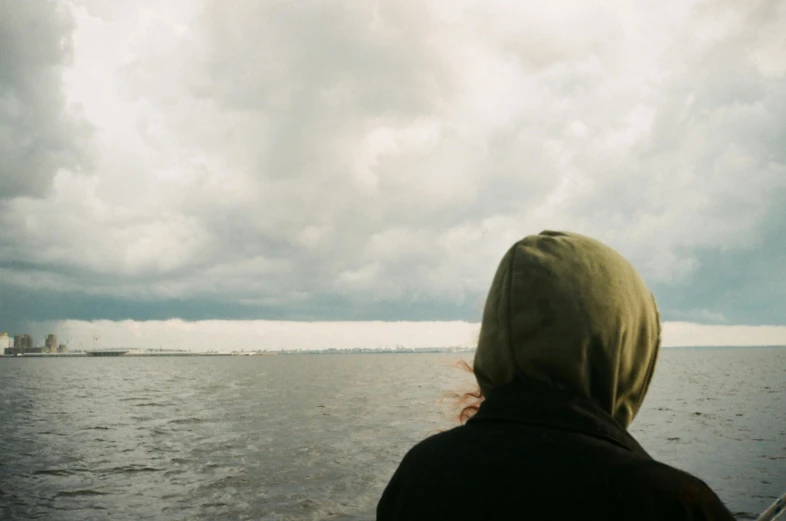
x: 273, y: 335
x: 372, y: 161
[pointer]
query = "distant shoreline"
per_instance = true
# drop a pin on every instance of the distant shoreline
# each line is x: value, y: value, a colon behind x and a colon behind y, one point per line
x: 337, y: 352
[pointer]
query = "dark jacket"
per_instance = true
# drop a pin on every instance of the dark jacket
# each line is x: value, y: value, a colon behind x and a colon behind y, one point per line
x: 535, y: 452
x: 568, y: 345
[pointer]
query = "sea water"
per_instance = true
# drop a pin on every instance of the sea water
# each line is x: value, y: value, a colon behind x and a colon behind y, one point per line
x: 296, y: 437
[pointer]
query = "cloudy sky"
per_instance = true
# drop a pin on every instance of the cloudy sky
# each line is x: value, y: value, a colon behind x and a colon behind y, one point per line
x: 342, y: 161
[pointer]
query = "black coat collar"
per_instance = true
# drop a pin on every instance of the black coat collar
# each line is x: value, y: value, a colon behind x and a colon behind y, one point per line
x: 533, y: 403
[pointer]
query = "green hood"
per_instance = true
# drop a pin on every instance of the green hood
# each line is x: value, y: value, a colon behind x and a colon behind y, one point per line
x: 569, y: 311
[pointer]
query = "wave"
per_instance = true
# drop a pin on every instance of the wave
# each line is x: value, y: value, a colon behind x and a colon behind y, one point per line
x: 78, y: 493
x: 186, y: 421
x: 52, y: 472
x: 132, y: 469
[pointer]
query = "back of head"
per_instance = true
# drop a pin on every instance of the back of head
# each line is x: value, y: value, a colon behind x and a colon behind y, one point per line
x: 571, y: 312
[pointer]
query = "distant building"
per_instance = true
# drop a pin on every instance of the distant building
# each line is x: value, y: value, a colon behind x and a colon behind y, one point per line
x: 50, y: 345
x: 22, y: 344
x: 62, y: 348
x: 6, y: 344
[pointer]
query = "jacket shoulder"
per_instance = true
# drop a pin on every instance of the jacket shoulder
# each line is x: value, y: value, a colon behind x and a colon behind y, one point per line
x: 671, y: 493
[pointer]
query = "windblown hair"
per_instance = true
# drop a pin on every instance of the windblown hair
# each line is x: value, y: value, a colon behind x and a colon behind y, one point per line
x: 469, y: 401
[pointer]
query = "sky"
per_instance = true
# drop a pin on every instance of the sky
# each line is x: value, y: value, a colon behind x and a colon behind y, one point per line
x: 339, y: 173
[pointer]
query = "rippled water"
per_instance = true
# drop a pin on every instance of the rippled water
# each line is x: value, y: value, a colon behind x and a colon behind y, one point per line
x: 316, y: 437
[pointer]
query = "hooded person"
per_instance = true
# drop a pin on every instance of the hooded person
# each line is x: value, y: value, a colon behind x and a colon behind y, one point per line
x: 568, y: 345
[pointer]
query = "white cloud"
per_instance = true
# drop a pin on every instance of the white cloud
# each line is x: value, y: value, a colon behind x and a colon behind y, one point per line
x: 691, y: 334
x: 225, y: 336
x: 236, y: 335
x: 271, y: 152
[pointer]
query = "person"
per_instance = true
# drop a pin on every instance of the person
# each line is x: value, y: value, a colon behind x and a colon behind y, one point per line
x: 568, y: 344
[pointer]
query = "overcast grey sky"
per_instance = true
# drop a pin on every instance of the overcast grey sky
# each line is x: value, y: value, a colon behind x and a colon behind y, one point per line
x: 346, y: 160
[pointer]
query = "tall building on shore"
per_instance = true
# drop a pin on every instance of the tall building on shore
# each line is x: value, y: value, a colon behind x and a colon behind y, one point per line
x: 5, y: 341
x: 50, y: 345
x: 22, y: 344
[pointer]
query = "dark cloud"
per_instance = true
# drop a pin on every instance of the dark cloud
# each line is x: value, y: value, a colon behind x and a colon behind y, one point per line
x: 38, y: 134
x: 736, y: 285
x: 347, y: 160
x: 21, y: 307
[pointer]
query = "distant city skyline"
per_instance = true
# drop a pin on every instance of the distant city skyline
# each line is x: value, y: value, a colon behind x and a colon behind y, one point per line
x: 24, y: 343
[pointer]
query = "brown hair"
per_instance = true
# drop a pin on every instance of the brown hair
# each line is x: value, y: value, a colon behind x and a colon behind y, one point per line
x: 467, y: 402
